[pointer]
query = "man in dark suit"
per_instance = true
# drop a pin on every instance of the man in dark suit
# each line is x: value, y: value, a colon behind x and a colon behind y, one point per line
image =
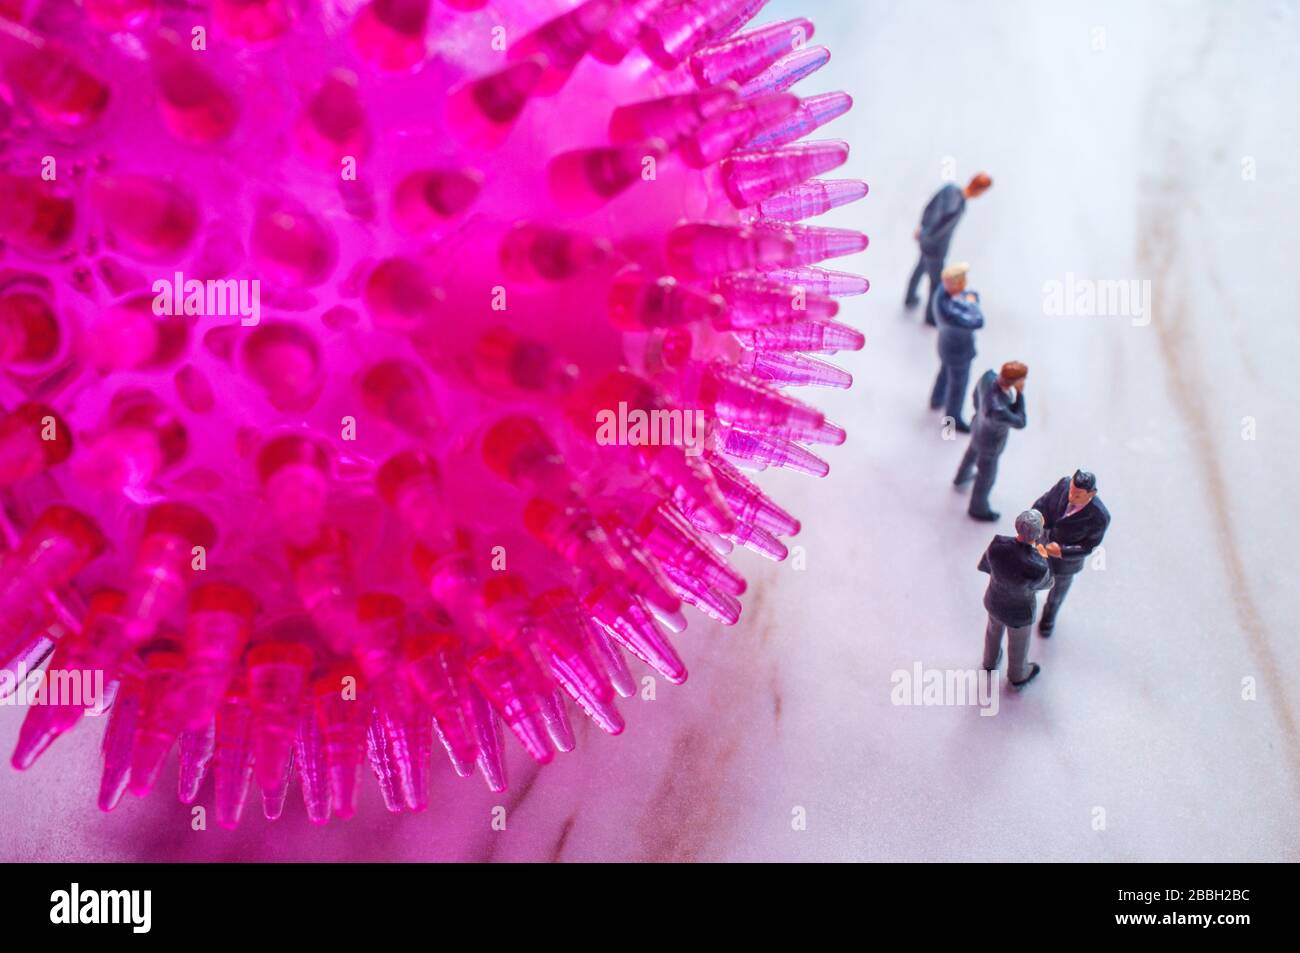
x: 934, y: 235
x: 957, y: 312
x: 1076, y: 521
x: 1017, y: 569
x: 999, y: 407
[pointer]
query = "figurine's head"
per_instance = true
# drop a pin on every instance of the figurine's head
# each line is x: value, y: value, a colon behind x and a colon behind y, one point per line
x: 1013, y: 373
x: 954, y: 277
x: 1083, y: 487
x: 978, y: 185
x: 1029, y: 526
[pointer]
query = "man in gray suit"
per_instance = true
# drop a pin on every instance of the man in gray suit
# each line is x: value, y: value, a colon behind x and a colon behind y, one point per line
x: 999, y: 407
x: 1017, y: 569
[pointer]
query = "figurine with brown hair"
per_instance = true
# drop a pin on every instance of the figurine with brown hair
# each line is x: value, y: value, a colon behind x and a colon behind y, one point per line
x: 999, y: 408
x: 934, y: 235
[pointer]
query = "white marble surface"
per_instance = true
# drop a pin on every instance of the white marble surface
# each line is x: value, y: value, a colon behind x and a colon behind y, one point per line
x: 1118, y: 163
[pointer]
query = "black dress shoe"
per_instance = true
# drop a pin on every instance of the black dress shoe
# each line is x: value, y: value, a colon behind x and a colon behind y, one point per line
x: 1034, y: 669
x: 995, y: 664
x: 911, y: 301
x: 984, y: 516
x: 1045, y: 628
x: 961, y: 426
x: 960, y: 481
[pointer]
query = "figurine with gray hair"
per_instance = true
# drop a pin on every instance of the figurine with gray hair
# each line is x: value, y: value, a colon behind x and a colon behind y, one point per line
x: 1076, y: 521
x: 1017, y: 568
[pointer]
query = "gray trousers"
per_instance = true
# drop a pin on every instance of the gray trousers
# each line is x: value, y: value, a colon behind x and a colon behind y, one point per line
x: 1061, y: 582
x: 1017, y: 649
x: 986, y: 471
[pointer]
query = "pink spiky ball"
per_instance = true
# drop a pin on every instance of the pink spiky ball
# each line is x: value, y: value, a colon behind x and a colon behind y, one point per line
x: 378, y: 374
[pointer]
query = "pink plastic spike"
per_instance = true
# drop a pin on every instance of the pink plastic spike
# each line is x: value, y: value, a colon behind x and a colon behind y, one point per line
x: 623, y: 28
x: 35, y: 215
x: 750, y: 504
x: 701, y: 250
x: 149, y: 218
x: 745, y: 56
x: 720, y: 606
x: 629, y: 622
x: 333, y: 125
x: 736, y: 397
x: 232, y: 758
x: 140, y: 438
x: 751, y: 177
x: 313, y: 769
x: 834, y: 284
x: 491, y: 741
x: 638, y: 302
x: 565, y: 635
x: 29, y: 330
x: 520, y: 452
x: 411, y: 483
x: 481, y: 113
x: 557, y: 721
x: 398, y: 391
x: 764, y: 452
x: 118, y: 15
x: 128, y: 335
x: 291, y: 247
x: 585, y: 179
x: 824, y: 337
x: 254, y: 21
x: 619, y: 674
x: 811, y: 198
x: 400, y: 297
x: 295, y: 476
x: 196, y: 747
x: 684, y: 26
x: 379, y: 633
x: 814, y: 244
x: 435, y: 670
x: 811, y: 114
x: 285, y: 361
x: 277, y: 680
x: 157, y: 727
x: 563, y: 41
x: 500, y: 678
x: 672, y: 540
x: 118, y: 739
x: 754, y: 300
x: 383, y: 765
x: 794, y: 369
x: 730, y: 129
x: 195, y: 105
x: 409, y: 735
x: 760, y: 541
x: 787, y: 71
x: 505, y: 361
x: 60, y: 91
x: 33, y: 438
x: 427, y: 198
x: 390, y: 33
x: 220, y: 616
x: 670, y: 118
x: 537, y: 254
x: 164, y: 564
x: 342, y: 717
x: 322, y: 576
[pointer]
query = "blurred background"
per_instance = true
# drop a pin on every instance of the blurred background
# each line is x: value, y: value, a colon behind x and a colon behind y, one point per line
x: 1149, y: 142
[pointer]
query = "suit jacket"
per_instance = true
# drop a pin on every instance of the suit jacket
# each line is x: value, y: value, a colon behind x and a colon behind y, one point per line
x: 939, y: 221
x: 958, y: 320
x: 1016, y: 572
x: 1078, y: 535
x: 995, y: 415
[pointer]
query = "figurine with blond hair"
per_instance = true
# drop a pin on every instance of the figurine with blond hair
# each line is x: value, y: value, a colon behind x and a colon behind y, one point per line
x: 958, y: 315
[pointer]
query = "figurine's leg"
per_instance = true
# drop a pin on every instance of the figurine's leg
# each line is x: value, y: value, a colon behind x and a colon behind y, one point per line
x: 911, y: 301
x: 1017, y: 653
x: 1061, y: 583
x: 967, y: 468
x: 992, y: 644
x: 933, y: 269
x: 940, y: 388
x: 958, y: 375
x: 986, y: 473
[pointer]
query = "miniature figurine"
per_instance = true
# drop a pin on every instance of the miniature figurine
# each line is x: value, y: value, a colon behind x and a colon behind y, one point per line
x: 1017, y: 569
x: 1076, y: 521
x: 934, y: 235
x: 957, y: 312
x: 999, y: 406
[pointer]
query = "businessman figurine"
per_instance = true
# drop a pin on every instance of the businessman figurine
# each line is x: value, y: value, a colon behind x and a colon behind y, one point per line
x: 1076, y: 521
x: 1017, y: 569
x: 999, y: 406
x: 934, y: 235
x: 957, y: 312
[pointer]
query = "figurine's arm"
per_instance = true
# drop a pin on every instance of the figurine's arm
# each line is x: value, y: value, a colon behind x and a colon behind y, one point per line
x: 984, y: 563
x: 1040, y: 504
x: 965, y: 314
x: 1013, y: 414
x: 1088, y: 543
